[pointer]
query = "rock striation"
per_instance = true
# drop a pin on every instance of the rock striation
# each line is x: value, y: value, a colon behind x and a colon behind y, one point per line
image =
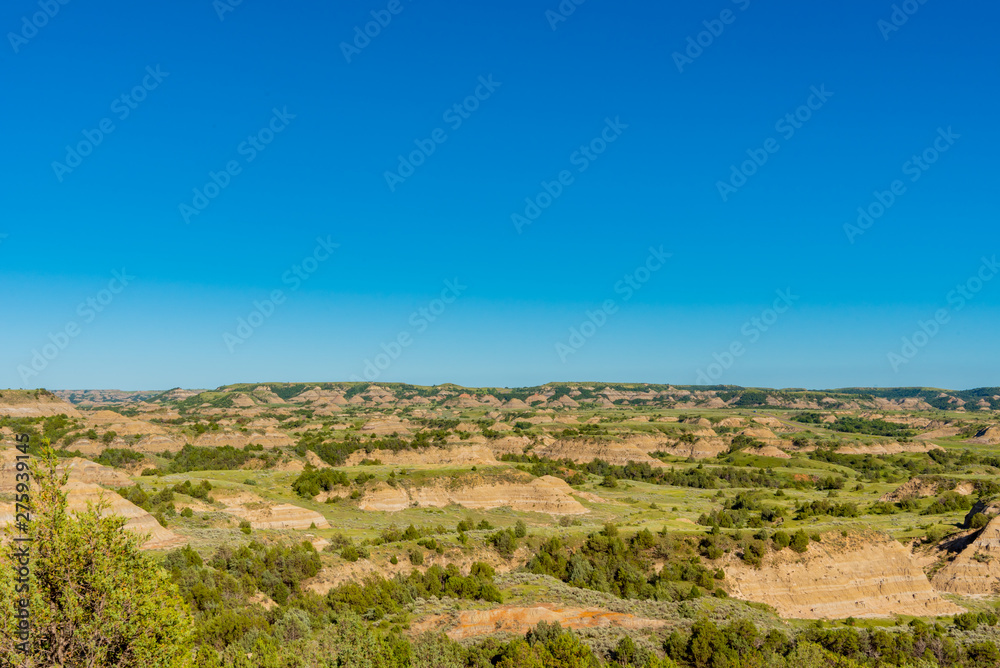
x: 975, y: 571
x: 860, y: 576
x: 518, y: 620
x: 547, y: 494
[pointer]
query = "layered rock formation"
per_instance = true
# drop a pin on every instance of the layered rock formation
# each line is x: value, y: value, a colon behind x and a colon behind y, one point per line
x: 34, y: 403
x: 518, y: 620
x: 889, y: 448
x: 975, y: 571
x: 703, y: 448
x: 79, y: 469
x: 587, y: 450
x: 916, y: 488
x: 860, y: 576
x: 269, y: 439
x: 80, y: 494
x: 547, y: 494
x: 281, y: 516
x: 475, y: 455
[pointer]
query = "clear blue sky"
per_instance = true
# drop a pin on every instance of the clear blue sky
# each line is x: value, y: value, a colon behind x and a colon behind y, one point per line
x: 550, y: 91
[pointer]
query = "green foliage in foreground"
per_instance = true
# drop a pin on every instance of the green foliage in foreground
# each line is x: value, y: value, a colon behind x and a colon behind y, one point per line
x: 741, y: 644
x: 94, y: 598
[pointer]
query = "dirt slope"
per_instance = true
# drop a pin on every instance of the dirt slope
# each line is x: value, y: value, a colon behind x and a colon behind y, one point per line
x: 32, y: 403
x: 474, y: 455
x: 79, y: 494
x: 547, y: 494
x: 975, y: 570
x: 517, y: 620
x: 859, y: 576
x: 78, y: 469
x: 586, y: 450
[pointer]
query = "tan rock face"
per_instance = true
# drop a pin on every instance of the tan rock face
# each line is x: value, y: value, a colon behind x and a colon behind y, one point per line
x: 768, y: 451
x: 547, y: 494
x: 24, y: 403
x: 762, y: 434
x: 356, y: 571
x: 990, y: 436
x: 863, y: 576
x: 915, y: 488
x: 79, y: 469
x: 587, y: 450
x: 314, y: 459
x: 281, y: 516
x: 473, y: 454
x: 159, y: 443
x: 976, y: 569
x: 79, y: 494
x: 518, y: 620
x: 385, y: 427
x: 890, y: 448
x: 703, y: 448
x: 513, y: 445
x: 269, y: 439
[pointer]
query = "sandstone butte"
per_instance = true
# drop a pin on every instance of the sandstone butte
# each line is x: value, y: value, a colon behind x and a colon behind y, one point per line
x: 25, y: 404
x: 79, y: 494
x: 890, y: 448
x: 518, y: 620
x: 78, y: 469
x: 860, y: 576
x: 586, y: 450
x: 356, y: 571
x: 975, y: 571
x: 921, y: 487
x: 473, y: 454
x: 281, y: 516
x: 547, y: 494
x: 269, y: 439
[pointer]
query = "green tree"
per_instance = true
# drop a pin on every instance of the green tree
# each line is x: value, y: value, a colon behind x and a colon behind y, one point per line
x: 94, y: 598
x: 800, y: 541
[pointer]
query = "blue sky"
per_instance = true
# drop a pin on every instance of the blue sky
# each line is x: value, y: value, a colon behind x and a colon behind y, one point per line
x: 641, y: 137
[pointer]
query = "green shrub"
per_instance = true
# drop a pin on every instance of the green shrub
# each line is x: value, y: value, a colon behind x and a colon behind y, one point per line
x: 800, y: 541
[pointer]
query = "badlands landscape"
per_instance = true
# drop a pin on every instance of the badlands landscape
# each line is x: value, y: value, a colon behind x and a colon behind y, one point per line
x: 570, y: 524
